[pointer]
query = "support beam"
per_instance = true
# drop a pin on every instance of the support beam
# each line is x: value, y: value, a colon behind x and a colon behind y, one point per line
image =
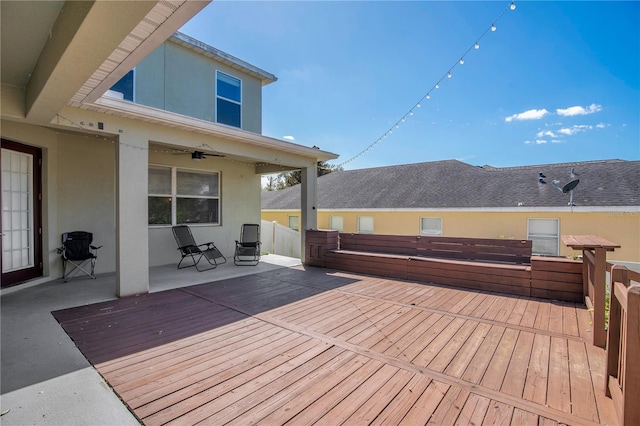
x: 83, y: 36
x: 132, y: 231
x: 308, y: 202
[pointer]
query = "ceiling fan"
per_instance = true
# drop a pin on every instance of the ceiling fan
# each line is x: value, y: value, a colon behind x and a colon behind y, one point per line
x: 199, y: 155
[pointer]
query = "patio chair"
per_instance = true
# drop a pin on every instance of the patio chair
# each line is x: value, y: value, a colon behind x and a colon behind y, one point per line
x: 196, y: 252
x: 248, y: 248
x: 79, y: 252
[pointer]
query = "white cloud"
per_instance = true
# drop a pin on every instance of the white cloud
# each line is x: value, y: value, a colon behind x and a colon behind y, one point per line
x: 548, y: 133
x: 556, y: 141
x: 527, y: 142
x: 540, y: 141
x: 569, y: 131
x: 601, y: 125
x: 532, y: 114
x: 289, y: 138
x: 578, y: 110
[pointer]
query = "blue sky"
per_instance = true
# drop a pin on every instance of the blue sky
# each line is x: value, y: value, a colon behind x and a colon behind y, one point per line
x: 556, y: 82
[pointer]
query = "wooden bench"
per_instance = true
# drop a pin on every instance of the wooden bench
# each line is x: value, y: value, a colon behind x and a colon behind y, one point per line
x: 481, y: 264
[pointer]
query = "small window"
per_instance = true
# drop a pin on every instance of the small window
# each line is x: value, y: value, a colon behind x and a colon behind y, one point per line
x: 294, y: 223
x: 545, y: 236
x: 430, y: 226
x: 365, y: 224
x: 336, y: 223
x: 126, y: 85
x: 228, y: 100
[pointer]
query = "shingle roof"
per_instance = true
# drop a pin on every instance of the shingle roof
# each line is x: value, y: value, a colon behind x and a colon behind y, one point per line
x: 454, y: 184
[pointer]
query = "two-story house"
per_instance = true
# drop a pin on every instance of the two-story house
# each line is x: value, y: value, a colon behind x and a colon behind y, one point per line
x: 115, y: 124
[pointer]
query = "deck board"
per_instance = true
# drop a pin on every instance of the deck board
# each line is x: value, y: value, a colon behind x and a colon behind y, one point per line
x: 316, y: 346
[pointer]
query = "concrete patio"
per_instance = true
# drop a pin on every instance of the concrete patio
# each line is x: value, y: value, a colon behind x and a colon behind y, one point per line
x: 45, y: 379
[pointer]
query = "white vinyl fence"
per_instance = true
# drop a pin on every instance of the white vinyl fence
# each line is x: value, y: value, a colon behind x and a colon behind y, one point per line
x: 279, y: 239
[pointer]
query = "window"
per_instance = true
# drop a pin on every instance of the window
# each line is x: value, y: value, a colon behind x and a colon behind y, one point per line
x: 430, y: 226
x: 336, y: 223
x: 293, y: 222
x: 178, y: 196
x: 545, y: 235
x: 365, y: 224
x: 160, y: 195
x: 228, y: 100
x: 126, y: 85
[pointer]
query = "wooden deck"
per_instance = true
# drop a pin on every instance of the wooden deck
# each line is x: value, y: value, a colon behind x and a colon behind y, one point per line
x: 319, y: 346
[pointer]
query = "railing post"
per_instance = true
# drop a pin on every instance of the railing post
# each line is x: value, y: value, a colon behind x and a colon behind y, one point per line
x: 632, y: 367
x: 618, y: 274
x: 600, y: 284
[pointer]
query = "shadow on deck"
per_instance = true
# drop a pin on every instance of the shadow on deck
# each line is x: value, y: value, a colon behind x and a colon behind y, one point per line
x: 313, y: 345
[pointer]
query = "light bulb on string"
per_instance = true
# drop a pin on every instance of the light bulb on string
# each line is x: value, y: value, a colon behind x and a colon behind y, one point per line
x: 427, y: 96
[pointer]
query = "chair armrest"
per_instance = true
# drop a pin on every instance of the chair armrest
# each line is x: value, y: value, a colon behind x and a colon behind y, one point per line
x: 60, y: 250
x: 95, y: 248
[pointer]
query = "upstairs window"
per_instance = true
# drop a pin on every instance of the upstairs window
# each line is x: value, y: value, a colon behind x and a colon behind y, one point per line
x: 365, y: 224
x: 126, y: 85
x: 294, y: 223
x: 545, y: 236
x: 228, y: 100
x: 336, y: 223
x: 430, y: 226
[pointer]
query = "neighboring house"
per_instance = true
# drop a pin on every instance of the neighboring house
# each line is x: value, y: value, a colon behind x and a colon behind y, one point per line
x: 452, y: 198
x: 177, y: 139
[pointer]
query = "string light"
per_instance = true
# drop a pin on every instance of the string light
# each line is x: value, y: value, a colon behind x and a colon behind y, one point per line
x: 475, y: 46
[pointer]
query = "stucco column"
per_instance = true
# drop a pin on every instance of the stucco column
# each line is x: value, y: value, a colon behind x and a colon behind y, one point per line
x: 132, y: 232
x: 308, y: 201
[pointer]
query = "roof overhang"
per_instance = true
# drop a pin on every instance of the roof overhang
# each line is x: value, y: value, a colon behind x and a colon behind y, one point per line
x: 227, y: 59
x: 124, y: 109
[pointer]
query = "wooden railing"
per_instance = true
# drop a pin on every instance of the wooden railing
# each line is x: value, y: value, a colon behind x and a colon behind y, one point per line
x: 622, y: 378
x: 594, y: 275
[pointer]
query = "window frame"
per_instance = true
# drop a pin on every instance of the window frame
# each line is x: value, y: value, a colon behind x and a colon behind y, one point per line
x: 360, y: 231
x: 297, y: 218
x: 175, y: 196
x: 335, y: 228
x: 239, y: 103
x: 422, y: 231
x: 548, y: 237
